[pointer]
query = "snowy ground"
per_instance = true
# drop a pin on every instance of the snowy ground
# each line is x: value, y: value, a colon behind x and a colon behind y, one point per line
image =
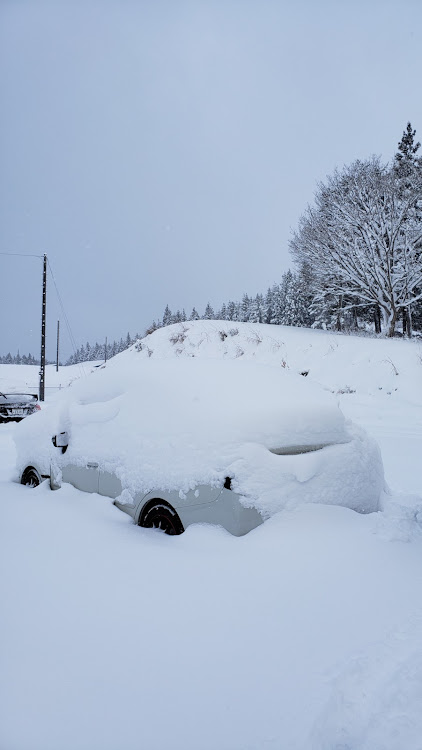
x: 304, y: 635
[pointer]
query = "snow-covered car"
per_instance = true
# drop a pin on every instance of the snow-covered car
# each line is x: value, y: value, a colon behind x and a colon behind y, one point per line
x: 17, y: 406
x: 177, y: 442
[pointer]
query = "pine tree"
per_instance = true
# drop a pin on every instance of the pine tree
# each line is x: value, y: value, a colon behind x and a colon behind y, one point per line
x: 288, y: 315
x: 244, y: 309
x: 405, y: 160
x: 408, y: 168
x: 267, y: 311
x: 209, y: 312
x: 222, y: 315
x: 231, y: 311
x: 167, y: 317
x: 277, y: 311
x: 256, y: 309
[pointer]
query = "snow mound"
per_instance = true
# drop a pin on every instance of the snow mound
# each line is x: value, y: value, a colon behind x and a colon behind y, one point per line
x: 343, y: 364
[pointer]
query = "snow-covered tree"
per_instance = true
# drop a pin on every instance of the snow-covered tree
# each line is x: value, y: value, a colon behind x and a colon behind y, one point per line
x: 167, y: 317
x: 277, y: 310
x: 209, y: 313
x: 222, y: 313
x: 245, y: 308
x: 232, y: 311
x: 256, y: 312
x: 406, y: 160
x: 408, y: 168
x: 363, y: 238
x: 267, y: 310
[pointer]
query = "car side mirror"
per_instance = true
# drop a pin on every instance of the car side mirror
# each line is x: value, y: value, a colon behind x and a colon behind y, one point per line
x: 61, y: 441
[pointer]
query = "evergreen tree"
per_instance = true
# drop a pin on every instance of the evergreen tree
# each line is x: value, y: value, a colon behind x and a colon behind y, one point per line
x: 405, y: 160
x: 222, y: 315
x: 268, y: 306
x: 177, y: 317
x: 256, y: 309
x: 209, y: 312
x: 231, y: 311
x: 244, y: 309
x: 167, y: 317
x: 287, y: 293
x: 277, y: 311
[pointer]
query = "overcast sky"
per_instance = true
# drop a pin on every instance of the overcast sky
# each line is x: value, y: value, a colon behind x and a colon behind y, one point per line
x: 162, y: 152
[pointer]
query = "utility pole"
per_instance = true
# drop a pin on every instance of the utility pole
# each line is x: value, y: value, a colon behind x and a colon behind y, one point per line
x: 43, y: 315
x: 58, y: 337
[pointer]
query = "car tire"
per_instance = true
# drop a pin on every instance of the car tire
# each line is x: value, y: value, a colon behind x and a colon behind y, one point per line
x: 30, y: 477
x: 160, y: 515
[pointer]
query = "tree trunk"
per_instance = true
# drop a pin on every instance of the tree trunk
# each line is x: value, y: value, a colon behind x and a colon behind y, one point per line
x: 377, y: 319
x: 404, y: 321
x: 409, y: 322
x: 339, y: 311
x: 392, y: 324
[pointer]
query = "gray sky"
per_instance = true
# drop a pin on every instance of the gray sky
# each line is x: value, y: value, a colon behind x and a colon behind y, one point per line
x: 162, y: 152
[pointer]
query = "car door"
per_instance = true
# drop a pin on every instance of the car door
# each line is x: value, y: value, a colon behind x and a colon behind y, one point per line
x: 109, y: 485
x: 84, y: 478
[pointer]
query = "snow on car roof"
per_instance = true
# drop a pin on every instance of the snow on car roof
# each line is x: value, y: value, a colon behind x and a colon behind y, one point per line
x: 174, y: 424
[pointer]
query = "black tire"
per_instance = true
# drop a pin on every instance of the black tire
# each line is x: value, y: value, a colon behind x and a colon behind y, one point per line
x: 30, y: 477
x: 160, y: 515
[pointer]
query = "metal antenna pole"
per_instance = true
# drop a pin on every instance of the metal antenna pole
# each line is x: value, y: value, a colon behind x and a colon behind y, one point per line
x: 58, y: 337
x: 43, y: 315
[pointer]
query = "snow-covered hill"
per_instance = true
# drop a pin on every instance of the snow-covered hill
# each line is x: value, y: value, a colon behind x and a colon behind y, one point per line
x: 340, y: 362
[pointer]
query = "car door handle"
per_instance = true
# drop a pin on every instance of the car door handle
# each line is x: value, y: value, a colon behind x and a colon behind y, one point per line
x: 92, y: 465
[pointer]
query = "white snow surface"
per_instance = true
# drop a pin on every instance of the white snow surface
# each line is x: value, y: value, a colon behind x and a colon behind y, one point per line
x: 306, y: 634
x: 180, y: 422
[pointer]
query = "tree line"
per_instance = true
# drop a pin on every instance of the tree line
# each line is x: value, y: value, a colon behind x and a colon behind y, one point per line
x: 93, y: 352
x: 85, y: 353
x: 18, y: 359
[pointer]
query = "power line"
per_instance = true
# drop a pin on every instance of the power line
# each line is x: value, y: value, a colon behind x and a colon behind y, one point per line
x: 24, y: 255
x: 66, y: 320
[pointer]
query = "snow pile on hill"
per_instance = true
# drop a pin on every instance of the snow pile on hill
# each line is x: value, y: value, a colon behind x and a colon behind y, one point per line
x: 342, y: 363
x: 176, y: 423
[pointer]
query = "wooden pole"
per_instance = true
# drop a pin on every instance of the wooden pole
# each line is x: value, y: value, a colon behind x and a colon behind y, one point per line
x: 58, y: 338
x: 43, y: 317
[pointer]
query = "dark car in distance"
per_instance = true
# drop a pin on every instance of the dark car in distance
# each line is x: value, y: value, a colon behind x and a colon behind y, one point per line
x: 17, y: 406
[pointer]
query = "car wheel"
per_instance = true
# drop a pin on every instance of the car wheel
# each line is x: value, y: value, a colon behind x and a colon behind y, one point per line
x: 160, y: 515
x: 30, y: 477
